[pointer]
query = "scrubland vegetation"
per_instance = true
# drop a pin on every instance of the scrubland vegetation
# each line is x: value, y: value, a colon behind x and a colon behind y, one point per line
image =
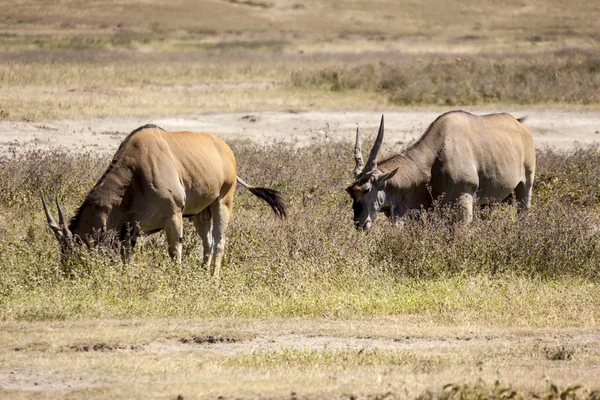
x: 92, y: 83
x: 133, y: 59
x: 562, y: 77
x: 517, y: 286
x: 506, y: 273
x: 539, y: 269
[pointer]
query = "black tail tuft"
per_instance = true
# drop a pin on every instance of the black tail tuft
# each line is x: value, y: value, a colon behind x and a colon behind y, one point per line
x: 273, y: 198
x: 522, y: 119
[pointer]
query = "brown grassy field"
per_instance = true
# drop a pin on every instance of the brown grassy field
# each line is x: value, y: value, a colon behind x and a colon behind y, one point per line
x: 521, y: 21
x: 393, y: 357
x: 306, y: 307
x: 148, y: 58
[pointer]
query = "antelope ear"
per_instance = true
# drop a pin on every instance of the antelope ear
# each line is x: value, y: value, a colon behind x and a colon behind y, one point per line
x: 387, y: 175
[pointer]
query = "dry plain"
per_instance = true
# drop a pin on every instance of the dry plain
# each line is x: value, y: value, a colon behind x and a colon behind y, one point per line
x: 396, y: 357
x: 558, y: 128
x: 300, y: 312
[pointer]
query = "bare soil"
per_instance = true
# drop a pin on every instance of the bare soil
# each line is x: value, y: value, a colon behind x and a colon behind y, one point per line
x: 230, y: 358
x: 559, y: 128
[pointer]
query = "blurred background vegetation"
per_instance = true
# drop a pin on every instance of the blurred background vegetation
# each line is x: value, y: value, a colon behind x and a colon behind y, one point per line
x: 74, y: 58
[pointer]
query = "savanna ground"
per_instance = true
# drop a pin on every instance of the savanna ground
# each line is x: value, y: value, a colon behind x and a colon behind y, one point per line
x: 306, y: 307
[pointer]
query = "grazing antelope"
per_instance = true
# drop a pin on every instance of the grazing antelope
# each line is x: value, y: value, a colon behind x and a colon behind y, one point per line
x: 155, y: 179
x: 461, y: 158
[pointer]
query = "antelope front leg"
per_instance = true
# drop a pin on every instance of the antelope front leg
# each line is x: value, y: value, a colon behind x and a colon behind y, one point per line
x: 465, y: 208
x: 174, y: 230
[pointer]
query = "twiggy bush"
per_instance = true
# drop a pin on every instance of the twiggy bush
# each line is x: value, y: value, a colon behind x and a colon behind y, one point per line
x: 570, y: 178
x: 313, y: 263
x: 26, y: 174
x: 566, y: 76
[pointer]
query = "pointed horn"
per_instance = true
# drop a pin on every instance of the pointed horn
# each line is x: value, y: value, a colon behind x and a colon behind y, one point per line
x: 51, y: 221
x: 358, y: 155
x: 61, y: 220
x: 372, y: 161
x: 61, y: 215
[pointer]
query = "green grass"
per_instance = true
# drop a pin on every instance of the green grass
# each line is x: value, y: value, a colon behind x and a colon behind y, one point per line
x: 503, y: 302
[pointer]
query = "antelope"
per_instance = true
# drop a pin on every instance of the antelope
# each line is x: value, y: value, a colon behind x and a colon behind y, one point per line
x: 155, y: 179
x: 461, y: 159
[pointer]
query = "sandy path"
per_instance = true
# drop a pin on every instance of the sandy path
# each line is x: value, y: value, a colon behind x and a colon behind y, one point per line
x: 559, y: 128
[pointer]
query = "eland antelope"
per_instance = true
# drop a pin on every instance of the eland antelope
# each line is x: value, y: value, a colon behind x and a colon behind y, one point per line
x: 155, y: 179
x: 461, y: 158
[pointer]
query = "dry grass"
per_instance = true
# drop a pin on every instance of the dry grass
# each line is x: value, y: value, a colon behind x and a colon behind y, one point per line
x: 54, y: 89
x: 539, y: 270
x: 522, y: 20
x: 148, y: 59
x: 559, y: 77
x: 304, y: 358
x: 307, y: 305
x: 306, y: 308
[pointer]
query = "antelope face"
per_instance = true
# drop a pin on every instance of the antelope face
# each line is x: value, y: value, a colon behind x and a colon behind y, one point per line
x: 368, y: 190
x: 368, y: 197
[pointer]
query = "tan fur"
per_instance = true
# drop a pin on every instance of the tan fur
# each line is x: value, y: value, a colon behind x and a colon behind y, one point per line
x: 156, y: 179
x: 461, y: 158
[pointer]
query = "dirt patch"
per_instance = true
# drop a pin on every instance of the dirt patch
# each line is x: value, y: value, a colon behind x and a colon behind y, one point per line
x: 249, y: 118
x: 103, y: 347
x: 546, y: 345
x: 36, y: 380
x: 559, y: 128
x: 559, y: 353
x: 35, y: 346
x: 270, y: 358
x: 113, y: 133
x: 209, y: 339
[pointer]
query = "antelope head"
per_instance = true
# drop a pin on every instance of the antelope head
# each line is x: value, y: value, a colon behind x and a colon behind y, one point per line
x: 368, y: 189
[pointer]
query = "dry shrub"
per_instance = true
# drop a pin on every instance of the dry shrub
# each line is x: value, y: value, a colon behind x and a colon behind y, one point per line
x: 481, y: 390
x: 288, y: 265
x: 568, y: 177
x: 24, y: 174
x: 565, y: 76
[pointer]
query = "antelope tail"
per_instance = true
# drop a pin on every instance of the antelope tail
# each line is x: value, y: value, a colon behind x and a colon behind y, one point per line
x: 522, y: 119
x: 270, y: 196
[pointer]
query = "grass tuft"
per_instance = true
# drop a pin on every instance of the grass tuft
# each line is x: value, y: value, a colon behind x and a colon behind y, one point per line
x: 539, y: 269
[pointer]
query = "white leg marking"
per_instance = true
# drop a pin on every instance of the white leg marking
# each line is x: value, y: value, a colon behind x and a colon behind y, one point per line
x: 220, y: 221
x: 203, y: 224
x: 465, y: 208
